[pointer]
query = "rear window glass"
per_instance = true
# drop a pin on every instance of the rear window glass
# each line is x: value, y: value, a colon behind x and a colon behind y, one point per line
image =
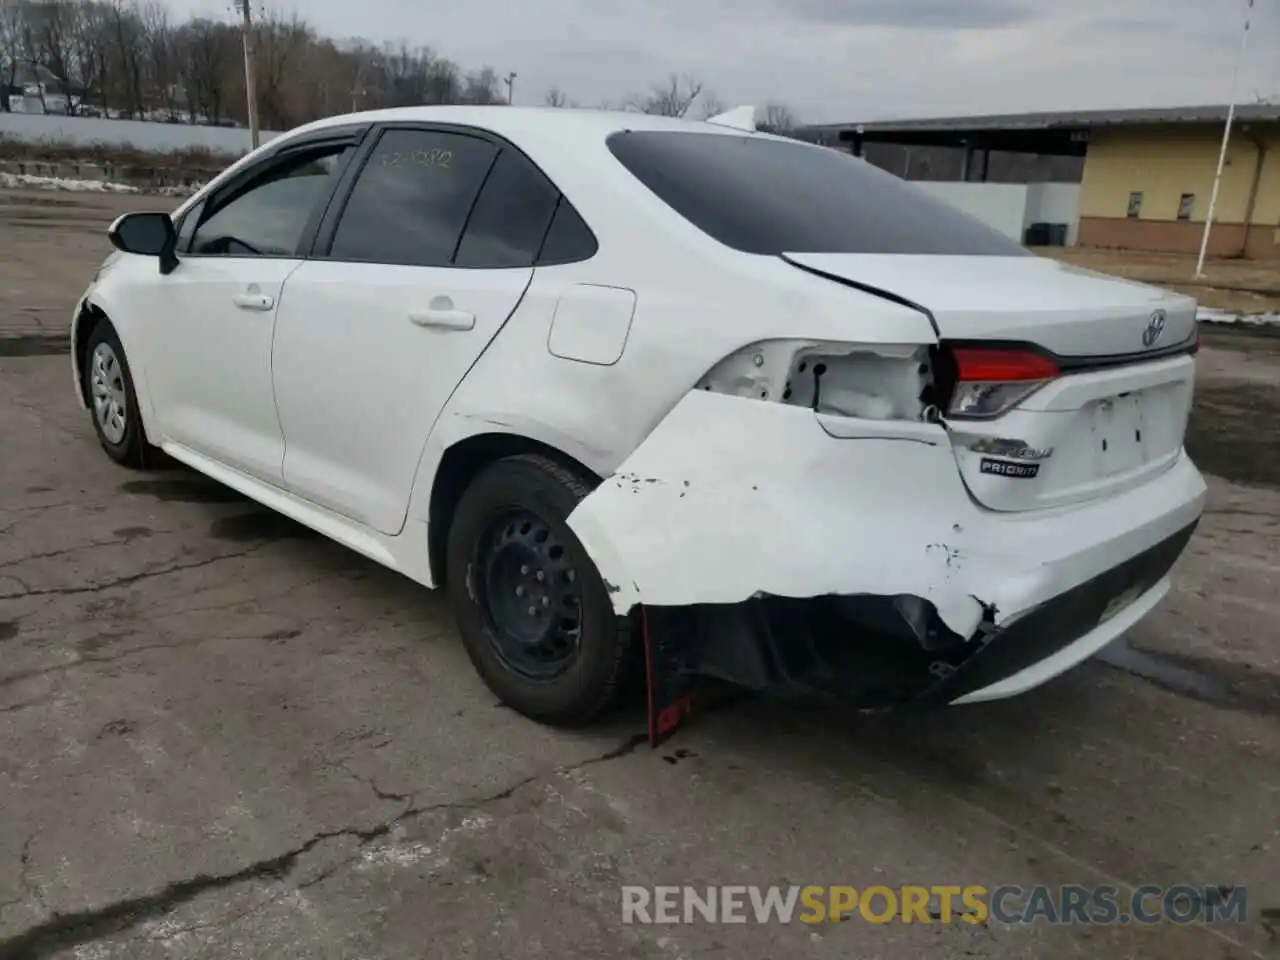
x: 771, y: 196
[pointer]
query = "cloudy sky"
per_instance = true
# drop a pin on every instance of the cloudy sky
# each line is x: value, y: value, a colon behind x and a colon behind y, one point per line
x: 839, y: 60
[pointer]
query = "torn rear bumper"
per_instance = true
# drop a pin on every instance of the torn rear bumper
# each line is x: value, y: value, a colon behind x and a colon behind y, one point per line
x: 820, y: 646
x: 771, y: 516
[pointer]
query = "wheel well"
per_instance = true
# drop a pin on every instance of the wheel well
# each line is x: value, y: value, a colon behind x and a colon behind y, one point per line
x: 460, y: 465
x: 89, y: 317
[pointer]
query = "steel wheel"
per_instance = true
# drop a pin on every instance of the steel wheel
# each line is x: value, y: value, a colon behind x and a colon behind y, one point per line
x: 530, y: 595
x: 108, y: 392
x: 535, y: 616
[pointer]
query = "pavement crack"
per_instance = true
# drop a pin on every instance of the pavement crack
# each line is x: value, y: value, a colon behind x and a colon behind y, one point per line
x: 26, y: 704
x: 62, y: 552
x: 33, y: 889
x: 65, y: 931
x: 131, y: 578
x: 372, y: 784
x: 624, y: 748
x: 26, y: 513
x: 23, y: 675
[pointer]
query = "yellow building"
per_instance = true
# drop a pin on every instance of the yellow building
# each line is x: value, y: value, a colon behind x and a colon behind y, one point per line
x: 1148, y: 187
x: 1145, y: 176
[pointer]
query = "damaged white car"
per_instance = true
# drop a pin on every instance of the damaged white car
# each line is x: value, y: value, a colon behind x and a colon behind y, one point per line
x: 622, y: 384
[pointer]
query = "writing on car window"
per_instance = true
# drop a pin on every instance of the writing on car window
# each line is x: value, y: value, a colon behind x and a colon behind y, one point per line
x: 442, y: 159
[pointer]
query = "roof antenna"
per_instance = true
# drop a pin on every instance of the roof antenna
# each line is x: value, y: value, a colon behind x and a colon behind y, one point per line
x: 739, y: 118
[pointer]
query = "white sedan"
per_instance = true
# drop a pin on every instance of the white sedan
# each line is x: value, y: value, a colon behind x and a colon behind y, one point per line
x: 621, y: 383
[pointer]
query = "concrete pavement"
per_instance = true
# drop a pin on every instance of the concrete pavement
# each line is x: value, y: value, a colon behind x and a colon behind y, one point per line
x: 224, y: 736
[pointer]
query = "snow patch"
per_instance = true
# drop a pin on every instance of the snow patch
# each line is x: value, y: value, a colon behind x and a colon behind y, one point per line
x: 13, y: 180
x: 60, y: 183
x: 1210, y: 315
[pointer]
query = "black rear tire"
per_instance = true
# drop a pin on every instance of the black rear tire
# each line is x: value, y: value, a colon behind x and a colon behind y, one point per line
x: 535, y: 616
x: 130, y: 448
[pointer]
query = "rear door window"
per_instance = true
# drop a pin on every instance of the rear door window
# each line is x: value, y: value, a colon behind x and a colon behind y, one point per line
x: 768, y: 196
x: 511, y: 216
x: 569, y: 239
x: 412, y: 198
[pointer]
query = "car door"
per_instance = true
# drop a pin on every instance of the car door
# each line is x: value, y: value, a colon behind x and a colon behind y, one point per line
x: 426, y: 252
x: 209, y: 324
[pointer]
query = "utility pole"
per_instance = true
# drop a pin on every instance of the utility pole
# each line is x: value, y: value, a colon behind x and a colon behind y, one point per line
x: 250, y: 87
x: 510, y: 81
x: 1226, y: 139
x: 357, y: 92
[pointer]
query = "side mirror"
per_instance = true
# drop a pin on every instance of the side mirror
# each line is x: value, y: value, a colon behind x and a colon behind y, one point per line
x: 147, y: 235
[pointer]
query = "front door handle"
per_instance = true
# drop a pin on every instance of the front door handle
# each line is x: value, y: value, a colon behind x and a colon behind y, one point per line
x: 444, y: 319
x: 253, y: 301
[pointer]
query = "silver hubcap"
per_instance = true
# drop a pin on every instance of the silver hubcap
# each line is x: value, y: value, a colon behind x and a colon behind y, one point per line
x: 106, y: 384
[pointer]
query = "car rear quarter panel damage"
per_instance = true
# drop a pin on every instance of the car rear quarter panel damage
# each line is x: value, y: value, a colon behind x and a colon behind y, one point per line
x: 731, y: 498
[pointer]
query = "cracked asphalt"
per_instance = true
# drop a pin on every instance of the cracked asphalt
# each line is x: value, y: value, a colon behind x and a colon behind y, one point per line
x: 224, y: 736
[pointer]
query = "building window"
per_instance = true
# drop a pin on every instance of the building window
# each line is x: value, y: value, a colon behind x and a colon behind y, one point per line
x: 1184, y: 206
x: 1135, y: 204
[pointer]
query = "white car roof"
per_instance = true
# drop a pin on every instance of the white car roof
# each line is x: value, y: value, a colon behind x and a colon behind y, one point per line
x: 565, y: 123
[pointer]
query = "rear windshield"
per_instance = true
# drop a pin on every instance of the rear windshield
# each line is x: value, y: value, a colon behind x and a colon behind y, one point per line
x: 770, y: 196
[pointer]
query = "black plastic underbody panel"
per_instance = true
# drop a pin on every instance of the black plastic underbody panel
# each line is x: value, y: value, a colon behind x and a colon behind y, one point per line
x: 856, y: 650
x: 1059, y: 622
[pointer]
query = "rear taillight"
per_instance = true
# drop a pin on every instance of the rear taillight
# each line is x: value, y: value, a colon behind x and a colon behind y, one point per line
x: 866, y: 381
x: 991, y: 380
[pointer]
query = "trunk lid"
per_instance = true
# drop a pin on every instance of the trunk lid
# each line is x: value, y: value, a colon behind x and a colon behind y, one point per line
x: 1114, y: 417
x: 1064, y: 309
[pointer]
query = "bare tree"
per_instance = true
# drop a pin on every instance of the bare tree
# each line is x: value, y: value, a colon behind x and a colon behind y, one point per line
x: 672, y: 98
x: 50, y: 42
x: 10, y: 49
x: 90, y: 45
x: 326, y: 80
x: 404, y: 75
x: 206, y: 57
x: 778, y: 118
x: 444, y: 82
x: 481, y: 87
x: 135, y: 58
x: 126, y: 55
x: 161, y: 58
x: 360, y: 74
x: 280, y: 45
x: 30, y: 49
x: 399, y: 76
x: 710, y: 106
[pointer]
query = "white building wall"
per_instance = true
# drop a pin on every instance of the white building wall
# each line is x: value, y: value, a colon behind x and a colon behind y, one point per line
x: 159, y: 137
x: 1055, y: 203
x: 1011, y: 207
x: 1000, y: 205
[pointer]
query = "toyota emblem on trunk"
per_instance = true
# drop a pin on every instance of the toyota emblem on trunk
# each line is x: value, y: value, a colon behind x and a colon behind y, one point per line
x: 1155, y: 327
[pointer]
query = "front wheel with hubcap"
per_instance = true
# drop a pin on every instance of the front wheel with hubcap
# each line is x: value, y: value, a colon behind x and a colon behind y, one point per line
x: 534, y: 613
x: 108, y: 388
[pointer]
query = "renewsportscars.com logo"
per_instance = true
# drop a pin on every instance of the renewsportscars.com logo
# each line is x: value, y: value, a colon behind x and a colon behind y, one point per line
x: 1006, y: 904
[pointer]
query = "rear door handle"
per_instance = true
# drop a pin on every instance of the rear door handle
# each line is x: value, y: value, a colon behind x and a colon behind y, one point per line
x: 444, y: 319
x: 253, y: 301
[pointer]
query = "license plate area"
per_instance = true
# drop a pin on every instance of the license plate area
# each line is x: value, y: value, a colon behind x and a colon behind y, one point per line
x: 1121, y: 437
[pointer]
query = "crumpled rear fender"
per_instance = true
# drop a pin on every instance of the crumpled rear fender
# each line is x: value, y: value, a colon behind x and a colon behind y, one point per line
x: 730, y: 498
